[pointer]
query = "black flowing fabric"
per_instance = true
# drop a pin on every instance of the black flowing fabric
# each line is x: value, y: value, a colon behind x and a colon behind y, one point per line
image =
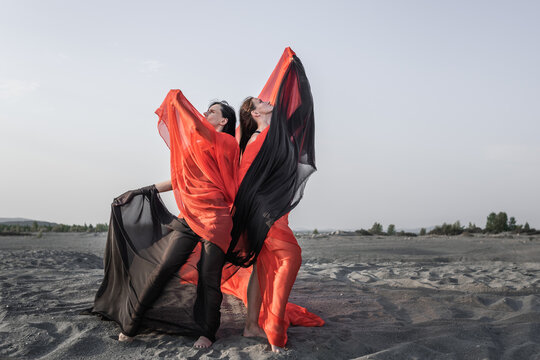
x: 275, y: 182
x: 142, y: 286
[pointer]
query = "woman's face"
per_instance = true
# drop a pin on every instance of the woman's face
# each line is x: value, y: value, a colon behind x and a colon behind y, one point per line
x: 261, y: 106
x: 214, y: 116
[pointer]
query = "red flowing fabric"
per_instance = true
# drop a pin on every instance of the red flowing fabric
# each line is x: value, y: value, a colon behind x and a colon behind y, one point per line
x: 204, y: 166
x: 271, y: 88
x: 280, y: 257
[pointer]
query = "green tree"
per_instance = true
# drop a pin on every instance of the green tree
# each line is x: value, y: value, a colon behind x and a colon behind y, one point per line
x: 456, y: 228
x: 315, y: 231
x: 422, y: 231
x: 102, y: 227
x: 526, y: 227
x: 363, y: 232
x: 502, y: 221
x: 512, y: 224
x: 447, y: 229
x: 472, y: 228
x: 391, y: 230
x: 376, y: 229
x: 490, y: 222
x: 497, y: 223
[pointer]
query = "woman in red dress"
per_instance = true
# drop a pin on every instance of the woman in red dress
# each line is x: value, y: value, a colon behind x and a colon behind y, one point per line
x: 148, y: 248
x: 280, y: 257
x: 277, y: 146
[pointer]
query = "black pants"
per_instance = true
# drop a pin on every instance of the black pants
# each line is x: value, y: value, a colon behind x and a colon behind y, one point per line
x: 181, y: 243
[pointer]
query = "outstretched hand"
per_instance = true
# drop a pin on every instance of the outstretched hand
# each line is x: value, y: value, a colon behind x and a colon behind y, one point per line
x: 128, y: 195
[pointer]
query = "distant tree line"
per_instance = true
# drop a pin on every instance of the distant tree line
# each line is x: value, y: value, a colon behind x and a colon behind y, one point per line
x: 496, y: 223
x: 20, y: 229
x: 377, y: 229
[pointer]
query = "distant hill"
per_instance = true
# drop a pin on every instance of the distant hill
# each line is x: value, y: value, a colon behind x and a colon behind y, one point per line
x: 23, y: 222
x: 2, y: 220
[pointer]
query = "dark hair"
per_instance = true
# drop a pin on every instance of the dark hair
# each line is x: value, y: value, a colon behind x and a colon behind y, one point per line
x: 248, y: 125
x: 228, y: 113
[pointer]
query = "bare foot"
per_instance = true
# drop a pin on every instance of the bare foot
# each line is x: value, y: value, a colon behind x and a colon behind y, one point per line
x: 124, y: 338
x: 254, y: 331
x: 277, y: 349
x: 202, y: 343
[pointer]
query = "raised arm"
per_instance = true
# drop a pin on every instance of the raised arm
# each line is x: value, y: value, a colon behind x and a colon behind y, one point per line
x: 177, y: 112
x: 164, y: 186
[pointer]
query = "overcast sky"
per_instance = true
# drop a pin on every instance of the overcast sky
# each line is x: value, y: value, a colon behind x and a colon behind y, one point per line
x: 426, y: 111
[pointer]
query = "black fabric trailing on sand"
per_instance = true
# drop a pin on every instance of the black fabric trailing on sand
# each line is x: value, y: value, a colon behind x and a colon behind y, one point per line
x: 146, y: 247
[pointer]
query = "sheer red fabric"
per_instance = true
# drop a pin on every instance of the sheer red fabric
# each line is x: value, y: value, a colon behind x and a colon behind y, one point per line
x: 204, y: 165
x: 271, y: 88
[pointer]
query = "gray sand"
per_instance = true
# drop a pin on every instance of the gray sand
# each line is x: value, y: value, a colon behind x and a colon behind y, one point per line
x: 381, y: 297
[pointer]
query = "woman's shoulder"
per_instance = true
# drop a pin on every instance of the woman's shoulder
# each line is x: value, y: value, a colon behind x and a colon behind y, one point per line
x: 228, y: 141
x: 258, y: 135
x: 253, y: 137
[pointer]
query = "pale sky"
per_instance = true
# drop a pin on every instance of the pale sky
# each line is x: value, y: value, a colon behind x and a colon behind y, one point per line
x: 426, y: 111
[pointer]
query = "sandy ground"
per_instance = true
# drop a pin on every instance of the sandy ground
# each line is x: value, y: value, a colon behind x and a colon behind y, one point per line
x: 381, y: 297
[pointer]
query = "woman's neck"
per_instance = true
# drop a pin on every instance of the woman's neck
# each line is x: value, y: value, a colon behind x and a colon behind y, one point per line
x: 263, y: 122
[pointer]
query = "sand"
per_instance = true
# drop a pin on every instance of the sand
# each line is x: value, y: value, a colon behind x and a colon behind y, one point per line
x: 381, y: 297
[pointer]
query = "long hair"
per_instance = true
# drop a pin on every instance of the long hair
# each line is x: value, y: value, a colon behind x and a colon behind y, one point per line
x: 228, y: 113
x: 248, y: 125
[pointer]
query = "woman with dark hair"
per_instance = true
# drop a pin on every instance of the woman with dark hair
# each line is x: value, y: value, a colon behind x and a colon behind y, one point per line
x: 280, y: 256
x: 277, y: 146
x: 148, y: 247
x: 222, y: 112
